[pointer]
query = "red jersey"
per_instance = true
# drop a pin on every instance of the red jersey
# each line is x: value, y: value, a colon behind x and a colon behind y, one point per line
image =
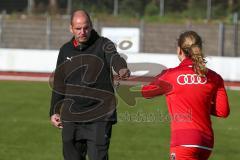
x: 191, y: 101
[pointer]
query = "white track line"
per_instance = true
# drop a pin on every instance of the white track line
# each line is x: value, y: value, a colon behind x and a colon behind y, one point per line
x: 24, y: 78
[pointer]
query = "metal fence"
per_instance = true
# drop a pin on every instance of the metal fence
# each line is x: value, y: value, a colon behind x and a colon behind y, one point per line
x: 45, y: 32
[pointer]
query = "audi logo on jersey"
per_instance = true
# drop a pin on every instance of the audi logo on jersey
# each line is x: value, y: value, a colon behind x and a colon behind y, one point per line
x: 189, y: 79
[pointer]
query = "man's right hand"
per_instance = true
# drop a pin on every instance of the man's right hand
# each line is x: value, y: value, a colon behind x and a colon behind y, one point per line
x: 124, y: 74
x: 56, y: 121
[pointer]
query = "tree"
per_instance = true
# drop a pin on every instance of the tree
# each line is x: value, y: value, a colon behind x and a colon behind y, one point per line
x: 133, y: 8
x: 177, y: 5
x: 151, y: 9
x: 233, y: 5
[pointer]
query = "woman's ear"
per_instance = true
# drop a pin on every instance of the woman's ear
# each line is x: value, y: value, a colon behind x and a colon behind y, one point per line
x: 180, y: 54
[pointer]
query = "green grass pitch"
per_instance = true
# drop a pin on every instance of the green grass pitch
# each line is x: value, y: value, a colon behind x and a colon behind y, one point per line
x: 26, y: 133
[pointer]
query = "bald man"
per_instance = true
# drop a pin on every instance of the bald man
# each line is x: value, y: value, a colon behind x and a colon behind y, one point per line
x: 83, y: 103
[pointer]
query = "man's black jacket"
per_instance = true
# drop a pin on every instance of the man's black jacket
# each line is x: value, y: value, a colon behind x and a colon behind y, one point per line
x: 83, y: 86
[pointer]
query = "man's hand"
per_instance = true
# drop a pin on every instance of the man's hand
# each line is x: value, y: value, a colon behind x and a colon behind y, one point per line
x: 56, y: 121
x: 123, y: 74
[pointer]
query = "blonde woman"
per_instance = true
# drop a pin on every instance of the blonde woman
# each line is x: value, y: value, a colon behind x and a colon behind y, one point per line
x: 195, y: 94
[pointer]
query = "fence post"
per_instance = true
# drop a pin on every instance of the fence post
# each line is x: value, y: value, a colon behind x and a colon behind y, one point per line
x: 221, y: 38
x: 30, y: 7
x: 161, y: 7
x: 96, y: 25
x: 115, y: 8
x: 1, y: 28
x: 69, y: 7
x: 235, y: 27
x: 48, y: 32
x: 141, y: 35
x: 189, y: 25
x: 209, y: 9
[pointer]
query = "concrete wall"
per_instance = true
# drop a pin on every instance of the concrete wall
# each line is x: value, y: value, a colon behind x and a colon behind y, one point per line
x: 140, y: 64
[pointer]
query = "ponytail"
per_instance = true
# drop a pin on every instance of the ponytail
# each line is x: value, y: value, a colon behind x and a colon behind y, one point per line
x: 199, y: 62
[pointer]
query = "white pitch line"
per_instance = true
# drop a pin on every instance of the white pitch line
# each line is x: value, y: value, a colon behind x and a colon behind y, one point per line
x: 46, y: 79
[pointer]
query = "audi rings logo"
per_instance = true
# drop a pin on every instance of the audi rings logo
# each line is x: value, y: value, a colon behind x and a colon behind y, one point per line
x: 189, y: 79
